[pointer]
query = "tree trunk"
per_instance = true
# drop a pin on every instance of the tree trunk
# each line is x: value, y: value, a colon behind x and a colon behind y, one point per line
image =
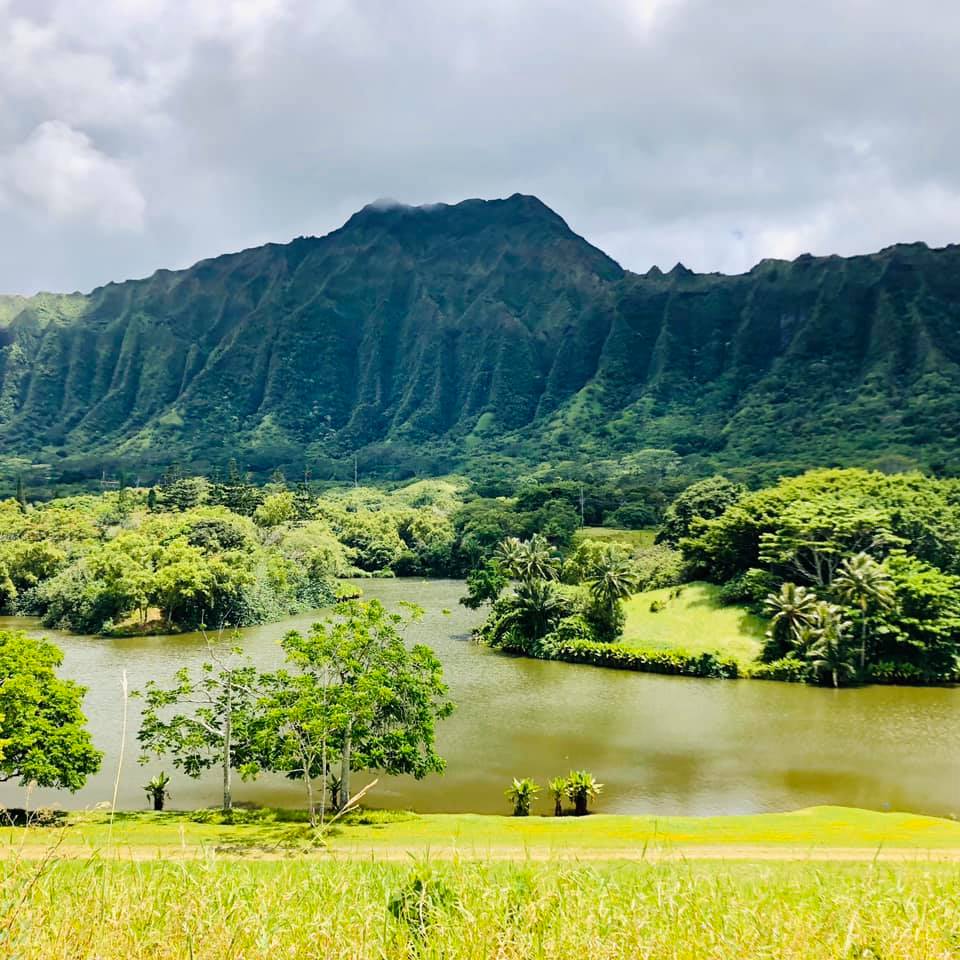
x: 158, y: 799
x: 863, y: 638
x: 836, y: 682
x: 580, y: 805
x: 345, y: 771
x: 557, y: 807
x: 227, y: 731
x: 310, y: 806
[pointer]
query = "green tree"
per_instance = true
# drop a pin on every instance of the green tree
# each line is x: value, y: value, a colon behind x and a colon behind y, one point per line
x: 205, y: 721
x: 581, y: 788
x: 611, y: 581
x: 383, y: 699
x: 829, y: 650
x: 792, y: 612
x: 866, y: 585
x: 301, y: 717
x: 703, y: 500
x: 533, y: 611
x: 157, y: 789
x: 522, y: 793
x: 484, y: 585
x: 558, y: 790
x: 528, y: 560
x: 42, y: 726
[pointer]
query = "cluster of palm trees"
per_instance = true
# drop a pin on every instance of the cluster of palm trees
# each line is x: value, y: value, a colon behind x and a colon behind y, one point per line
x: 579, y: 787
x: 821, y: 631
x: 537, y: 605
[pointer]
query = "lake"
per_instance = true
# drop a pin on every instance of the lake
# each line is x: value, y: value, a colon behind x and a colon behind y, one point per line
x: 659, y: 744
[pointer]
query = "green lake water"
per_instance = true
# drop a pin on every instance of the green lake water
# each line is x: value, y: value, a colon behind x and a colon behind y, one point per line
x: 659, y: 744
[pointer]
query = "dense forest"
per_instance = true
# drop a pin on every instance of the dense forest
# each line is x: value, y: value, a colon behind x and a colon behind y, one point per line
x: 856, y: 574
x: 484, y: 338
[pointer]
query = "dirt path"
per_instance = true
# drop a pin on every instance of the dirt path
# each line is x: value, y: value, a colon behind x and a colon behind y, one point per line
x: 35, y: 852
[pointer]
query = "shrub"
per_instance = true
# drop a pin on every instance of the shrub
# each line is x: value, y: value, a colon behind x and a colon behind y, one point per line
x: 674, y: 662
x: 890, y: 672
x: 751, y: 587
x: 789, y: 669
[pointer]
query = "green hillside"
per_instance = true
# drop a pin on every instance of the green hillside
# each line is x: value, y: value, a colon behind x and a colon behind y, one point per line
x: 423, y: 340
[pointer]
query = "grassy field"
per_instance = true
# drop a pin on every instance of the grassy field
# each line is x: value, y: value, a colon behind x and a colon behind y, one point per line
x: 632, y: 538
x: 476, y: 911
x: 695, y: 621
x: 460, y: 887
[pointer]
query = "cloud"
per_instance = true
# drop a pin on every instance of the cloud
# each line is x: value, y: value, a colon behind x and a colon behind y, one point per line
x: 663, y: 130
x: 58, y: 170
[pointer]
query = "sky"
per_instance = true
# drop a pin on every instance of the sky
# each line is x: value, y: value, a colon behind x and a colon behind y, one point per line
x: 138, y: 134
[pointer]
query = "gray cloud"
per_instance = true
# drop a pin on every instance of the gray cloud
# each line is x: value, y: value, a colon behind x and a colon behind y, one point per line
x: 136, y: 134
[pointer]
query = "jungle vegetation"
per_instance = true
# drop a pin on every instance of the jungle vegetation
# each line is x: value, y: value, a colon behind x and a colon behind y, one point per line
x: 857, y: 574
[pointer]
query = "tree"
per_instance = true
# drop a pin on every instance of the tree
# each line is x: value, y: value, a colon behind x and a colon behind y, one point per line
x: 703, y: 500
x: 522, y: 793
x: 864, y: 584
x: 527, y: 560
x: 829, y: 650
x: 580, y: 789
x: 611, y: 580
x: 484, y: 585
x: 205, y: 721
x: 558, y: 789
x: 42, y: 727
x: 793, y: 610
x: 298, y: 723
x: 156, y: 789
x: 532, y: 611
x: 384, y: 698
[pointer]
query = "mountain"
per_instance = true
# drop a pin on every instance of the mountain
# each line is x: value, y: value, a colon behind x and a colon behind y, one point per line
x: 432, y: 338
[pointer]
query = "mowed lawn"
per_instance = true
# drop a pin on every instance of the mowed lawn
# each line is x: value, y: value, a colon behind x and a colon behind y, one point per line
x: 694, y: 621
x: 632, y: 538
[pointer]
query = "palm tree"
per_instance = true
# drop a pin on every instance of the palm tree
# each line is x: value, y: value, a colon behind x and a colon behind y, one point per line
x: 558, y: 787
x: 156, y: 790
x: 522, y: 793
x: 830, y: 649
x: 612, y: 579
x: 533, y: 611
x: 526, y: 560
x: 581, y: 788
x: 863, y: 583
x: 793, y: 610
x: 507, y: 555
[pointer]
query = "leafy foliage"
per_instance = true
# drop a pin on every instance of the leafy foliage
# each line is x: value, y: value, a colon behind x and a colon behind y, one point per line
x: 43, y: 735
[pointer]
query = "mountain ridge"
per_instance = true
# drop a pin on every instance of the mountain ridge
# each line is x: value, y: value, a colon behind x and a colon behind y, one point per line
x: 430, y: 338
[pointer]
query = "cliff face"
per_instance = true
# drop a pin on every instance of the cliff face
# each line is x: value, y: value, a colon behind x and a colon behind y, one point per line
x: 482, y: 327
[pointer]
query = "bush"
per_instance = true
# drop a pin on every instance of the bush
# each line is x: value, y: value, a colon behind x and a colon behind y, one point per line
x: 788, y: 669
x: 675, y: 662
x: 890, y: 672
x: 751, y: 587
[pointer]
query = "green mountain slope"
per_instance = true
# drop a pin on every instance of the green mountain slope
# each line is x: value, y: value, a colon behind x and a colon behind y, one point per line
x: 426, y: 338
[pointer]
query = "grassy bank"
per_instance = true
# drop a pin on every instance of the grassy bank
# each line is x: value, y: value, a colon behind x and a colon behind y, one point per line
x: 475, y: 911
x: 694, y: 621
x: 263, y: 831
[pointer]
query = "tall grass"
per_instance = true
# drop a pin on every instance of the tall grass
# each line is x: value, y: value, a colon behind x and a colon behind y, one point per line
x: 120, y: 909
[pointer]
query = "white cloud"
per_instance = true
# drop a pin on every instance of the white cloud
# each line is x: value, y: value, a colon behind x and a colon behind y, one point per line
x: 663, y: 130
x: 59, y: 171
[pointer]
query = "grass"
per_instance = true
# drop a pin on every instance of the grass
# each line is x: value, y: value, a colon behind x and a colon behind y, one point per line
x: 694, y: 621
x: 370, y: 831
x: 632, y: 538
x: 475, y: 911
x: 247, y: 891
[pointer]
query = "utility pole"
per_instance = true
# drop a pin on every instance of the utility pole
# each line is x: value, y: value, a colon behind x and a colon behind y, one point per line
x: 582, y: 505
